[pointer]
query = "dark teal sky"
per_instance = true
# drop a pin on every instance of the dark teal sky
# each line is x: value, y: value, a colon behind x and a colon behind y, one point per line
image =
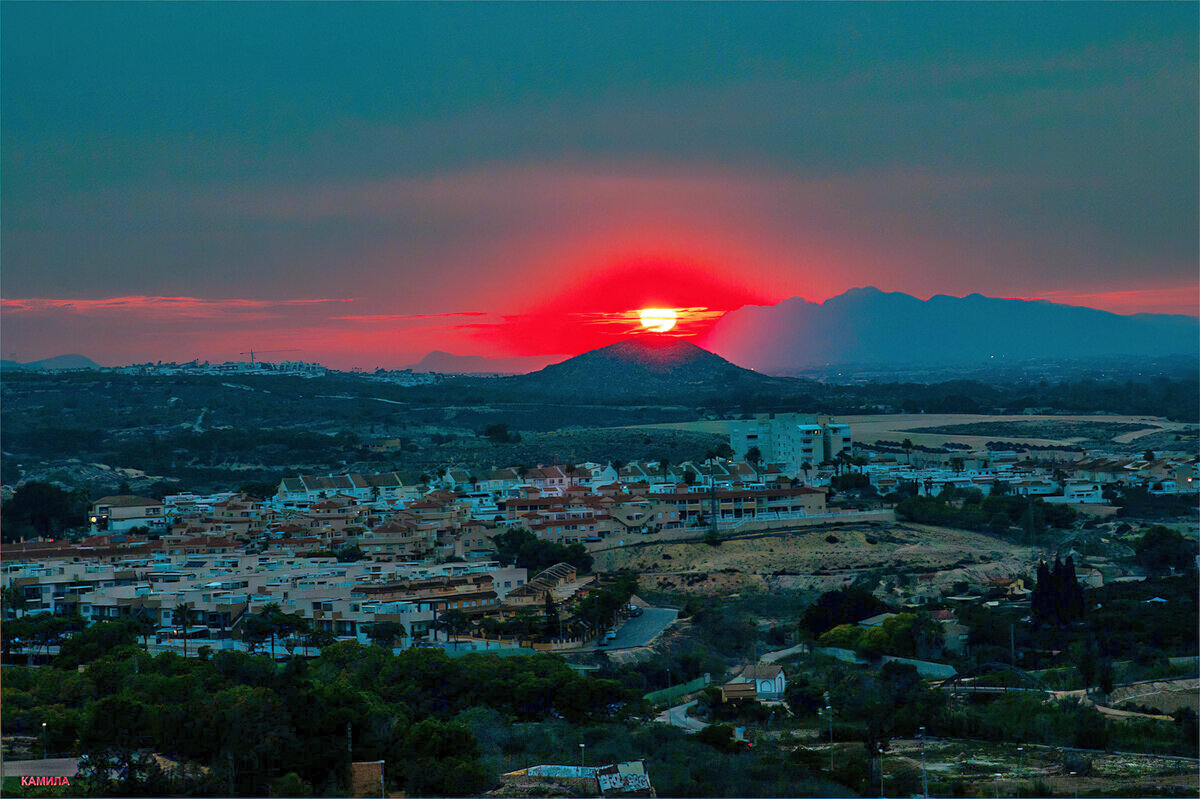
x: 422, y: 158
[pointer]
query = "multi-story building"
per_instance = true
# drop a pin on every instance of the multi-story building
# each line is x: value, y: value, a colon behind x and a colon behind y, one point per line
x: 124, y: 512
x: 791, y: 441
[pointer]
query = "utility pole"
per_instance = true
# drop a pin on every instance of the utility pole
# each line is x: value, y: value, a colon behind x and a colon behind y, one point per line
x: 924, y: 777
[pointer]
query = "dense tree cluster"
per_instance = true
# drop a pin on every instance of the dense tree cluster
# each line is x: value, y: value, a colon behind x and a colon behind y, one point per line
x: 1136, y: 502
x: 42, y: 510
x: 518, y: 546
x: 1162, y: 549
x: 1058, y: 597
x: 1002, y: 514
x: 250, y: 722
x: 842, y: 606
x: 912, y: 635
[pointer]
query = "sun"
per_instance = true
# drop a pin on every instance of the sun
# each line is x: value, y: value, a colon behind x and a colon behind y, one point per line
x: 660, y: 320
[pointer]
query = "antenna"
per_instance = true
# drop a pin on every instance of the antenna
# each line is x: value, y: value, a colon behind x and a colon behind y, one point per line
x: 251, y: 352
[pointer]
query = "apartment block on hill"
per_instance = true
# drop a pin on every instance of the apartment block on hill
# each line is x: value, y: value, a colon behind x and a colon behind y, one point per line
x: 790, y: 440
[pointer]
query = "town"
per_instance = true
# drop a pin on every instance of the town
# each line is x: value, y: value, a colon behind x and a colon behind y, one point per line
x: 507, y: 561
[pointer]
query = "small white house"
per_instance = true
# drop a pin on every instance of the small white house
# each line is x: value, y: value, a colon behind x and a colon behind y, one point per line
x: 768, y: 678
x: 1077, y: 492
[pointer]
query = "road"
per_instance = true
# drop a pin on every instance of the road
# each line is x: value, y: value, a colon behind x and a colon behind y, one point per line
x: 640, y: 631
x: 677, y: 717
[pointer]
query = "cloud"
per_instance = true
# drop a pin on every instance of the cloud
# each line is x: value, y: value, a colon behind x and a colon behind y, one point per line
x: 1179, y: 300
x: 165, y: 307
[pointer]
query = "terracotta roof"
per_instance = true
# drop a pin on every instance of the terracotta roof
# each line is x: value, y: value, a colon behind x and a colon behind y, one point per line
x: 126, y: 501
x: 762, y: 671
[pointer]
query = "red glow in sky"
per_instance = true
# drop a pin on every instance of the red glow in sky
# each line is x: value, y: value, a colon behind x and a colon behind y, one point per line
x: 604, y: 307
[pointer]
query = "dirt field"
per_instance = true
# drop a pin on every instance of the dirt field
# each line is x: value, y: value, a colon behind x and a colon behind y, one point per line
x: 820, y: 559
x: 1165, y: 696
x: 897, y: 427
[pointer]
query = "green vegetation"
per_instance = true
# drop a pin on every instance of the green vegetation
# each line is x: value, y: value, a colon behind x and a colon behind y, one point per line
x: 910, y: 635
x: 521, y: 548
x: 1021, y: 518
x: 1137, y: 502
x: 445, y: 726
x: 1162, y: 549
x: 40, y: 509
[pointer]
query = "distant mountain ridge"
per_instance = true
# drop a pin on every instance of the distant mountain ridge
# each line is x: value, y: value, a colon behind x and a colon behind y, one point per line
x: 57, y: 362
x: 451, y: 364
x: 866, y: 325
x: 647, y: 366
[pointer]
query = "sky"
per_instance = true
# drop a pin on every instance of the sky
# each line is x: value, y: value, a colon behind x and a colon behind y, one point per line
x: 359, y: 183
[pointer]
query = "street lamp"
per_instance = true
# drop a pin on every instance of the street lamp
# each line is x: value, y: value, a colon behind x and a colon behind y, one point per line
x: 1075, y: 783
x: 880, y: 745
x: 829, y: 714
x: 43, y: 740
x: 1020, y: 755
x: 581, y: 748
x: 924, y: 777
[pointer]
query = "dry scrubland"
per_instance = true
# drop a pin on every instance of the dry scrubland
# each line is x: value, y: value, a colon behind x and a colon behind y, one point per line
x: 819, y: 559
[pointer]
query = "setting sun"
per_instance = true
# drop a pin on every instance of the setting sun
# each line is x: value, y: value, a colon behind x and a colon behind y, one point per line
x: 660, y: 320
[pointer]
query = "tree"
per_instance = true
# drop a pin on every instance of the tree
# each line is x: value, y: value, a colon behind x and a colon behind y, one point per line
x: 182, y: 615
x: 1057, y: 597
x: 754, y: 457
x: 12, y: 599
x: 1162, y: 549
x: 259, y: 489
x: 385, y: 633
x: 43, y: 510
x: 552, y: 623
x: 455, y: 623
x: 439, y: 758
x: 907, y: 446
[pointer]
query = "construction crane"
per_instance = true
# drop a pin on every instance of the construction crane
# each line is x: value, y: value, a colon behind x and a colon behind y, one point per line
x: 260, y: 352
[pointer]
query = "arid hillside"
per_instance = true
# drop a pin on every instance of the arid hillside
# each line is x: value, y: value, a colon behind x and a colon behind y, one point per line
x: 821, y: 558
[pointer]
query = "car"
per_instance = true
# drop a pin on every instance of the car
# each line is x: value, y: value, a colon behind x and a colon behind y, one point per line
x: 610, y: 635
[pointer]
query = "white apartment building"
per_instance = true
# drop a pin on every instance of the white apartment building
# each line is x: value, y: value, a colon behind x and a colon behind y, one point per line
x: 790, y: 440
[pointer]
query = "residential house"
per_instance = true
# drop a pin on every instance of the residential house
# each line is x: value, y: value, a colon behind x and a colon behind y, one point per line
x: 123, y: 512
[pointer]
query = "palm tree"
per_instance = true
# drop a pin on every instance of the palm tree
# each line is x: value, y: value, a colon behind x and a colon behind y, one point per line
x: 144, y: 625
x: 269, y: 614
x: 907, y: 446
x: 182, y: 615
x: 806, y: 467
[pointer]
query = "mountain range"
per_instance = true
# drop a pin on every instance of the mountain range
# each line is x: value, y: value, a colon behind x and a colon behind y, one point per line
x: 869, y: 326
x: 57, y: 362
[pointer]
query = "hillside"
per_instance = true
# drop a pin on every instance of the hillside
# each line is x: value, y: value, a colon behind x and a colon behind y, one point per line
x: 648, y: 367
